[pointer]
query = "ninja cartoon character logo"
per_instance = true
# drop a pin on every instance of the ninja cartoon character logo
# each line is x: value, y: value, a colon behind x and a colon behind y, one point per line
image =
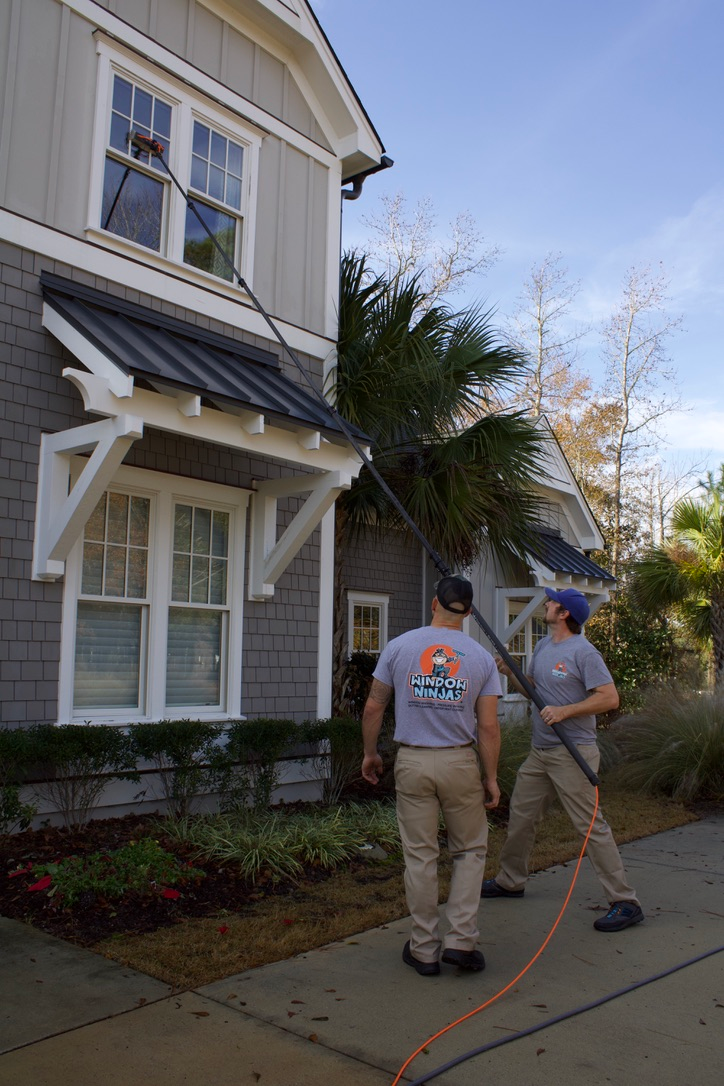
x: 436, y: 677
x: 439, y: 659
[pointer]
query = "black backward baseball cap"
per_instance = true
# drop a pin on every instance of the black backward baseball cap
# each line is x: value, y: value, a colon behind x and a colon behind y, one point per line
x: 455, y: 594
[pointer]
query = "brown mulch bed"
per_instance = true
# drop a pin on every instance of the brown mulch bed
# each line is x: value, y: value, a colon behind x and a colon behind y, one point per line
x: 93, y: 918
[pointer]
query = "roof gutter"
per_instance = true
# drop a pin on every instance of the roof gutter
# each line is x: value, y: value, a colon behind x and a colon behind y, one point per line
x: 359, y: 179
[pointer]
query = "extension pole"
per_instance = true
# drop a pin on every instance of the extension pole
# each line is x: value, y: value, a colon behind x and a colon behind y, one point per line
x: 151, y: 147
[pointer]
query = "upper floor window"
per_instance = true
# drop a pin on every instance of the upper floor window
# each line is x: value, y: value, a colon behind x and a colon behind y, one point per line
x: 210, y: 152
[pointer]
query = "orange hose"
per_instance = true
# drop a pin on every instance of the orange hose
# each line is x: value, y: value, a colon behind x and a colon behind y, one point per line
x: 535, y: 957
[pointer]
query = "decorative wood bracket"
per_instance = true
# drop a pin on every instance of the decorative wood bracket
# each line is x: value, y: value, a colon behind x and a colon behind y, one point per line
x: 62, y: 511
x: 269, y: 556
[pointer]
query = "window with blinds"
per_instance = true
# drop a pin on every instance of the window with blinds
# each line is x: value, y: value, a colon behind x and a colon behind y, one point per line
x: 110, y: 636
x: 367, y: 622
x: 115, y: 664
x: 198, y: 622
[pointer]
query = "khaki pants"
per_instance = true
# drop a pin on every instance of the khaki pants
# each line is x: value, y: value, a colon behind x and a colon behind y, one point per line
x: 544, y: 775
x: 429, y: 781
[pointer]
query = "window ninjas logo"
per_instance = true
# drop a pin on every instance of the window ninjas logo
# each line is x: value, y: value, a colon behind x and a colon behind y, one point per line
x: 438, y: 688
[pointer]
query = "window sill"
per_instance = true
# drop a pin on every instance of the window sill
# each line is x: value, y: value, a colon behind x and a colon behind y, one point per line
x: 115, y: 244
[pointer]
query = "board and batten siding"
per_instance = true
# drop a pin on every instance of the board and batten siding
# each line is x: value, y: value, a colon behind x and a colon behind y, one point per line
x: 48, y: 87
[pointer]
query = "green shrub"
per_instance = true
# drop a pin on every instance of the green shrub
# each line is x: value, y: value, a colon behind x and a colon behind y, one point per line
x: 337, y: 754
x: 141, y: 866
x: 674, y: 745
x: 253, y: 751
x: 16, y: 760
x: 186, y: 755
x: 81, y: 759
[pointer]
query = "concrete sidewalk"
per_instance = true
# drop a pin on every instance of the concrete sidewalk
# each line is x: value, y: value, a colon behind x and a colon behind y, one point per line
x: 351, y: 1013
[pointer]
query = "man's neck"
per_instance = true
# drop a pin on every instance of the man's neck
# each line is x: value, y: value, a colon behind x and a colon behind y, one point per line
x: 559, y: 632
x: 446, y: 621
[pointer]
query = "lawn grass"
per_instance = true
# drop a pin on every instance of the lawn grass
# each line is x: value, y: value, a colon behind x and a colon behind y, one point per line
x: 199, y: 952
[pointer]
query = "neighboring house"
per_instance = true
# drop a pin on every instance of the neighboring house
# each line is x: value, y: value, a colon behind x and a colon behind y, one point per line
x: 168, y: 475
x: 389, y: 585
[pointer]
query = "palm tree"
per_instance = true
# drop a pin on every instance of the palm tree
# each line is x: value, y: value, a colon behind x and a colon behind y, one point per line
x: 687, y: 571
x: 422, y: 383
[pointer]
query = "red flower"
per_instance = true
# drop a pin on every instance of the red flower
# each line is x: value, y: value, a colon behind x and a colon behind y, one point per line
x: 173, y: 894
x: 20, y: 871
x: 287, y: 921
x: 41, y: 884
x: 222, y: 930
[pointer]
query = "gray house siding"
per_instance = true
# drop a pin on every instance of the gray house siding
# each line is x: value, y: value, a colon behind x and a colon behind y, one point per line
x: 280, y: 636
x: 392, y: 566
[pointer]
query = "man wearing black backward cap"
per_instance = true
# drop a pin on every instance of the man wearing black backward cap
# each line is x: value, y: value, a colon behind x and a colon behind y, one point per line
x: 446, y: 690
x: 574, y: 682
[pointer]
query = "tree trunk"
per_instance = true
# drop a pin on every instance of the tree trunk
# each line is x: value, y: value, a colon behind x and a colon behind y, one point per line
x: 717, y: 637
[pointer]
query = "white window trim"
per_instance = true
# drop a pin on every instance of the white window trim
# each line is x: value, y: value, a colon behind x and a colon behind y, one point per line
x: 515, y: 608
x: 187, y: 105
x: 163, y: 490
x: 355, y: 598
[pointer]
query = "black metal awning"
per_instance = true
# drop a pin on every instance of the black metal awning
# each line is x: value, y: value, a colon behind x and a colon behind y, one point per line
x: 150, y: 345
x: 561, y: 557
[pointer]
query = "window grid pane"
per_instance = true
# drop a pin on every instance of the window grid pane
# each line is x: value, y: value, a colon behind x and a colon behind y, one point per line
x: 216, y: 168
x: 136, y: 110
x: 115, y: 547
x: 366, y: 626
x: 201, y: 555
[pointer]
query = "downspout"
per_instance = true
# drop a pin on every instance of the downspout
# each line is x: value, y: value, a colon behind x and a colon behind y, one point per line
x: 359, y: 179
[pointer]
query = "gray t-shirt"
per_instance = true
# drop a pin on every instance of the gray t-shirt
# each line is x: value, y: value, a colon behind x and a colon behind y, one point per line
x: 438, y: 675
x: 565, y: 672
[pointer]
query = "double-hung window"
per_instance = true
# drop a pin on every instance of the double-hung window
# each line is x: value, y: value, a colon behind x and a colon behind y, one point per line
x: 153, y: 603
x: 367, y: 622
x: 211, y: 153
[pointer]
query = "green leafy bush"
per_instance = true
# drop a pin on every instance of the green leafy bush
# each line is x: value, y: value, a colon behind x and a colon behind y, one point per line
x: 141, y: 866
x: 186, y: 755
x: 337, y: 756
x: 253, y: 751
x: 674, y: 745
x: 16, y: 760
x: 79, y: 759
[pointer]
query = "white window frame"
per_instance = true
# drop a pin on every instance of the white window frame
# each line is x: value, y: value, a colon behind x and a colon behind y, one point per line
x: 187, y: 105
x: 366, y: 599
x: 164, y: 491
x: 514, y: 609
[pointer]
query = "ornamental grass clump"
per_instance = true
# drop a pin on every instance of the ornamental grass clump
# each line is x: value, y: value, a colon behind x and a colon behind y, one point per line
x: 280, y: 844
x: 674, y: 745
x: 141, y: 867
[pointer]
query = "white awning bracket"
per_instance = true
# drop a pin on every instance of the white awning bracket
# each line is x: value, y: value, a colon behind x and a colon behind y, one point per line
x: 62, y: 512
x: 269, y: 556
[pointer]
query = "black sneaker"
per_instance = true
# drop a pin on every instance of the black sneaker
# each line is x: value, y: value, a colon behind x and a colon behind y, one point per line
x: 464, y: 959
x: 622, y: 914
x: 492, y: 889
x: 425, y: 969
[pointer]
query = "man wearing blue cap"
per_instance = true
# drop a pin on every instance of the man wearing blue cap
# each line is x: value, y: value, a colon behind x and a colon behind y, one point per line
x: 575, y: 684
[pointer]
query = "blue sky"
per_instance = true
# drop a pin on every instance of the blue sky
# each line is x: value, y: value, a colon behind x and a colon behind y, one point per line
x: 592, y: 128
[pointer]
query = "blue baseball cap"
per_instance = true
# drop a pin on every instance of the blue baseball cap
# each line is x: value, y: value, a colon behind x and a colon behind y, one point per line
x: 574, y: 602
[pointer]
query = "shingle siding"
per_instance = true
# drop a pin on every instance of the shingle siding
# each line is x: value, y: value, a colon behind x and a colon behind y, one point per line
x: 279, y: 679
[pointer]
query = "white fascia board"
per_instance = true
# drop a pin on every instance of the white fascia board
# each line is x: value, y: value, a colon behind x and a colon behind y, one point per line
x: 120, y: 383
x: 296, y: 39
x: 215, y: 427
x: 161, y: 281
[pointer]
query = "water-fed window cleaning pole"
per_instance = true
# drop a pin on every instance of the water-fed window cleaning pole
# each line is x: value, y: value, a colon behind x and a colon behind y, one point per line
x: 154, y: 149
